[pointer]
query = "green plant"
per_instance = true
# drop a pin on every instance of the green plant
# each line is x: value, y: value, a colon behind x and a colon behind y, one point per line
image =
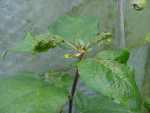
x: 104, y: 73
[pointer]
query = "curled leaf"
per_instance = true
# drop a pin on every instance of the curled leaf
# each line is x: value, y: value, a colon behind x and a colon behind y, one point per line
x: 102, y: 38
x: 39, y: 43
x: 44, y: 45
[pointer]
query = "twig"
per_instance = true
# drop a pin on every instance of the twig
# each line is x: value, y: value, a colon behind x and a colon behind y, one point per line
x: 71, y: 97
x: 74, y: 85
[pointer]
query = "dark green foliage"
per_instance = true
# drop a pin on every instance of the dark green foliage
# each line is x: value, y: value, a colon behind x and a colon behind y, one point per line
x: 111, y: 79
x: 106, y: 74
x: 98, y: 103
x: 120, y: 56
x: 147, y: 104
x: 27, y: 93
x: 45, y: 45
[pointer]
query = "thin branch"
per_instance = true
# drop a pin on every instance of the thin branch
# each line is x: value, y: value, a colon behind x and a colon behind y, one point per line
x: 74, y: 86
x: 71, y: 97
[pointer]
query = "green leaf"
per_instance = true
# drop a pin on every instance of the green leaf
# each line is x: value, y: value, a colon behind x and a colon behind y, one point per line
x: 147, y: 104
x: 111, y: 79
x: 98, y: 103
x: 120, y: 56
x: 75, y: 28
x: 27, y: 93
x: 26, y: 45
x: 40, y: 43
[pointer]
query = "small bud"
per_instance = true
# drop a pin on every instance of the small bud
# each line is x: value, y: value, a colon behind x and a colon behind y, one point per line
x: 109, y: 40
x: 68, y: 56
x: 138, y: 4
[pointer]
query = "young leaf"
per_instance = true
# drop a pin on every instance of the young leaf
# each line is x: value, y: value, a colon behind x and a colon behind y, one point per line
x: 102, y: 37
x: 76, y: 28
x: 39, y: 43
x: 44, y: 43
x: 26, y: 93
x: 111, y: 79
x: 120, y: 56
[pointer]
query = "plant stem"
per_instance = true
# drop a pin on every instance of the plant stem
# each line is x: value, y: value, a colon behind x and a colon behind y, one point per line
x: 71, y: 97
x: 74, y: 85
